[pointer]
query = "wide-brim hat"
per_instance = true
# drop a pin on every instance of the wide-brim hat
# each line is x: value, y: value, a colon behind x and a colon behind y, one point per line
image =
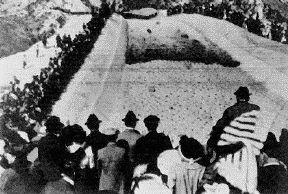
x: 130, y: 117
x: 242, y: 91
x: 93, y: 119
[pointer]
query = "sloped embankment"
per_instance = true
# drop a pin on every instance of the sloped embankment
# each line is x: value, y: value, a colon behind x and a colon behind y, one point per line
x: 95, y: 88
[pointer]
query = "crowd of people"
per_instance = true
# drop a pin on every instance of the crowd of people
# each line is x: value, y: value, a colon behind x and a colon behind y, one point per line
x: 24, y: 107
x: 256, y: 17
x: 239, y: 157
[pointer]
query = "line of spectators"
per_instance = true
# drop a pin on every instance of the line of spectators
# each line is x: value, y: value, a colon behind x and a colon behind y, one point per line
x: 240, y: 157
x: 256, y: 17
x: 23, y: 109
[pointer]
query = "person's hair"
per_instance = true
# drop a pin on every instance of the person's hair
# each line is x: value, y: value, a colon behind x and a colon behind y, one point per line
x: 123, y: 144
x: 284, y: 136
x: 151, y: 122
x: 271, y: 146
x: 53, y: 124
x: 151, y: 126
x: 191, y: 148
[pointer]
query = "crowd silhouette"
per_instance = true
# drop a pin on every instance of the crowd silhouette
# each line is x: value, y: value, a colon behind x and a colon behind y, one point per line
x: 239, y: 157
x: 258, y: 18
x: 24, y: 108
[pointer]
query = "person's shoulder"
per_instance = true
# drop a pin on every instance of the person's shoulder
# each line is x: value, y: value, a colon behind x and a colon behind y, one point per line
x: 120, y: 151
x: 254, y: 106
x: 142, y: 139
x: 48, y: 138
x: 162, y: 135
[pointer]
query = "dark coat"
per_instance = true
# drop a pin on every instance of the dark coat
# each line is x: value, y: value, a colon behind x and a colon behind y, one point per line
x: 90, y: 177
x: 50, y: 156
x: 272, y: 179
x: 98, y: 140
x: 235, y: 111
x: 150, y: 146
x: 229, y: 115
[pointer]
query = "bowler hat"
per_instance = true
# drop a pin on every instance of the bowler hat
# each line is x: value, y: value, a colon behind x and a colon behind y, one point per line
x: 130, y: 117
x: 93, y: 119
x: 242, y: 91
x: 151, y: 119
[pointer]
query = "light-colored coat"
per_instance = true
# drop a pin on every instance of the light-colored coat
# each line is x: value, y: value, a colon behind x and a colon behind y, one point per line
x: 111, y: 158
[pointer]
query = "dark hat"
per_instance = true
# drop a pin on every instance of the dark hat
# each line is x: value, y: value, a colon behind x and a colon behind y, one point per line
x: 93, y: 119
x: 130, y: 117
x: 74, y: 133
x: 151, y: 119
x: 54, y: 122
x: 242, y: 91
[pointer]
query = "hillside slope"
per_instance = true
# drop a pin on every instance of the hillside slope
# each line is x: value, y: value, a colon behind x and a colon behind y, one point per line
x: 22, y: 23
x: 195, y: 94
x: 188, y: 96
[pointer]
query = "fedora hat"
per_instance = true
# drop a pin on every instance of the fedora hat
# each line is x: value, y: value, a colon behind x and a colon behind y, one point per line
x: 242, y: 91
x: 93, y: 119
x: 130, y: 117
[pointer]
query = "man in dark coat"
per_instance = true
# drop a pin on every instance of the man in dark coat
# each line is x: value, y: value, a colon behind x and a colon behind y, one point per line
x: 241, y: 106
x: 97, y: 141
x: 151, y: 145
x: 49, y: 150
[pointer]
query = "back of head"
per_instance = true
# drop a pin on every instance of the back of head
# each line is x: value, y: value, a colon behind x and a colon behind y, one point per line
x: 284, y: 136
x: 151, y: 122
x: 271, y: 146
x: 123, y: 144
x: 74, y: 133
x: 242, y: 94
x: 53, y: 124
x: 130, y: 119
x: 191, y: 148
x: 93, y: 122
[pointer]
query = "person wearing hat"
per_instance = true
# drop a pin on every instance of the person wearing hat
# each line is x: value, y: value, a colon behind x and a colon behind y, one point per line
x: 241, y: 106
x: 96, y: 140
x: 130, y: 134
x: 49, y: 150
x: 152, y: 144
